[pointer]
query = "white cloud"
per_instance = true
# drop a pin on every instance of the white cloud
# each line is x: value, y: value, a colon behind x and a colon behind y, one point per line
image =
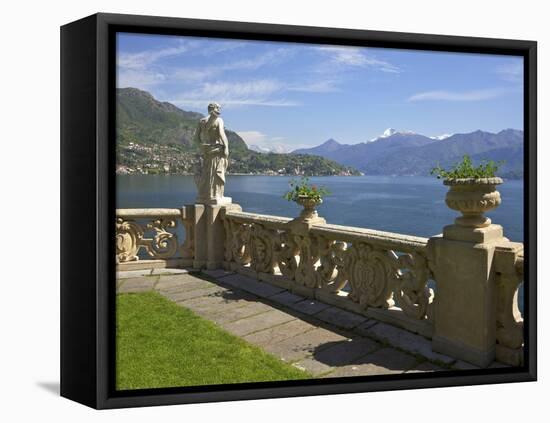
x: 141, y: 71
x: 201, y: 85
x: 229, y: 103
x: 253, y: 137
x: 188, y: 75
x: 220, y: 47
x: 265, y: 143
x: 261, y: 142
x: 356, y: 57
x: 152, y: 76
x: 321, y: 86
x: 230, y: 94
x: 443, y: 95
x: 139, y: 78
x: 253, y: 88
x: 512, y: 72
x: 145, y: 58
x: 271, y: 57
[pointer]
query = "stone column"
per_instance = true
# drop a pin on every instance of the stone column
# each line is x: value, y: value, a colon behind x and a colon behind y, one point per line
x: 215, y: 235
x: 209, y: 235
x: 465, y: 301
x: 200, y: 228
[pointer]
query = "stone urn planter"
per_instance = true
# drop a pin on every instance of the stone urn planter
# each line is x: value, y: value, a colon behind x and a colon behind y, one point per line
x: 309, y: 196
x: 309, y: 213
x: 473, y: 197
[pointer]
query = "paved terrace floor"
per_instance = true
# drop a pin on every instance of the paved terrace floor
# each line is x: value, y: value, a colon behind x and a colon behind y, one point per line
x: 325, y: 340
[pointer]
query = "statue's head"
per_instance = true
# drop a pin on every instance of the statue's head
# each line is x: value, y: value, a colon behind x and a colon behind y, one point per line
x: 214, y: 108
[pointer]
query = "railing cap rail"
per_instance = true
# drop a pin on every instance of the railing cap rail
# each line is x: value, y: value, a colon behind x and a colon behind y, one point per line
x: 255, y: 217
x: 351, y: 233
x: 508, y: 257
x: 137, y: 213
x: 343, y: 233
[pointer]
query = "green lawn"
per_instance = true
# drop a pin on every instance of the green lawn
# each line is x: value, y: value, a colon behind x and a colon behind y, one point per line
x: 160, y: 344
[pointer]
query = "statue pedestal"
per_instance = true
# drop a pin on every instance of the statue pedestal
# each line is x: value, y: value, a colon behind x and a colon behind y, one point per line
x: 220, y: 201
x: 465, y: 306
x: 308, y: 221
x: 210, y: 234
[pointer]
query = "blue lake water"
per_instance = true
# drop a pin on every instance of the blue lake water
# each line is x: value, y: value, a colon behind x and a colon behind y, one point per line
x: 409, y: 205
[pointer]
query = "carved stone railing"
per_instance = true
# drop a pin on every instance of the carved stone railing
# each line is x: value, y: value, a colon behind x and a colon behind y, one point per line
x: 509, y: 277
x: 153, y: 231
x: 459, y: 288
x: 379, y: 274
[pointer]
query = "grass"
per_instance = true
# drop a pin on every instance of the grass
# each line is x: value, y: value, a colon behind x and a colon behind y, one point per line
x: 160, y: 344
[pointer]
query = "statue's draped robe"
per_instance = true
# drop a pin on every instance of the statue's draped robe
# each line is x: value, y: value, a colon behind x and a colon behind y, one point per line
x: 212, y: 142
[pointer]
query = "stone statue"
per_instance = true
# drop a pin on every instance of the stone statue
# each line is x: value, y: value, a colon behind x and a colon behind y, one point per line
x: 213, y: 158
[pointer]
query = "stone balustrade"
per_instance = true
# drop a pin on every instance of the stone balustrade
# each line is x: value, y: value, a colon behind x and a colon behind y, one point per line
x: 379, y: 274
x: 459, y: 288
x: 162, y: 245
x: 509, y: 273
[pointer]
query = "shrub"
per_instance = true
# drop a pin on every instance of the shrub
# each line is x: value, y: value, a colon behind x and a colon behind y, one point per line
x: 302, y: 188
x: 466, y: 169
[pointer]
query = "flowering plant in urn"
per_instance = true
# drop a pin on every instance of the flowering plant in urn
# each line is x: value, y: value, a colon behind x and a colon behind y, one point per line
x: 307, y: 195
x: 472, y: 190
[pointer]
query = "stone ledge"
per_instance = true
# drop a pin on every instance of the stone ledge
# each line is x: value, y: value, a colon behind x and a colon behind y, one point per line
x: 340, y: 318
x: 426, y: 367
x: 406, y: 341
x: 464, y: 352
x: 304, y: 291
x: 380, y: 362
x: 308, y: 306
x: 177, y: 263
x: 217, y: 273
x: 463, y: 365
x: 509, y: 356
x: 286, y: 298
x: 133, y: 273
x: 339, y: 300
x: 278, y: 280
x: 396, y: 317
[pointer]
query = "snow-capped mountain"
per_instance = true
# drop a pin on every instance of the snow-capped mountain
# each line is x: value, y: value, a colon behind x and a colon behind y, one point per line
x: 441, y: 137
x: 389, y: 133
x: 407, y: 153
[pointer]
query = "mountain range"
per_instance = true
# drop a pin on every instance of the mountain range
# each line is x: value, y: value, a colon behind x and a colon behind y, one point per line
x: 408, y: 153
x: 157, y: 137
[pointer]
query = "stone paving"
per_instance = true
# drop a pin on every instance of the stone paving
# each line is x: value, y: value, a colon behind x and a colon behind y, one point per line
x: 319, y: 338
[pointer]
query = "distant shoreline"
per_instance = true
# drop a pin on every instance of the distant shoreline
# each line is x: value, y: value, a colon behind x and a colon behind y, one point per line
x: 298, y: 176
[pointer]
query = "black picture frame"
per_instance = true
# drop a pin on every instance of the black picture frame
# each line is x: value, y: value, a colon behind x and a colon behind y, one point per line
x: 88, y: 198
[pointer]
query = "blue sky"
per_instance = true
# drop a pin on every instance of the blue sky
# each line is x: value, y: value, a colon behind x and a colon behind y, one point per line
x: 296, y: 95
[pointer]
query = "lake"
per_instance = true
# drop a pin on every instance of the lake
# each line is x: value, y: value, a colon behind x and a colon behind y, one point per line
x: 413, y: 205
